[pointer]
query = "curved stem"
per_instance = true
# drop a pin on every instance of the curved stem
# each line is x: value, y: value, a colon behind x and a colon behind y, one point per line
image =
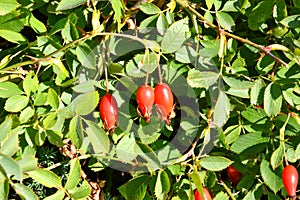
x: 186, y: 5
x: 158, y: 66
x: 67, y: 46
x: 148, y: 66
x: 228, y: 190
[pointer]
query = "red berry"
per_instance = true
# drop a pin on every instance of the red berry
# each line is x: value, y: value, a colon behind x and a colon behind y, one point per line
x: 290, y: 180
x: 145, y: 100
x: 164, y: 102
x: 234, y: 175
x: 206, y: 194
x: 109, y: 112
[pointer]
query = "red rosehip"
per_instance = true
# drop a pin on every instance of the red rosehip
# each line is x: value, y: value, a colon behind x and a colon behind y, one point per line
x: 290, y: 180
x: 206, y: 194
x: 234, y: 175
x: 109, y: 112
x: 145, y: 100
x: 164, y: 102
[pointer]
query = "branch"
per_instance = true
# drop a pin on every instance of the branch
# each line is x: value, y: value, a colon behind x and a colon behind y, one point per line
x: 185, y: 4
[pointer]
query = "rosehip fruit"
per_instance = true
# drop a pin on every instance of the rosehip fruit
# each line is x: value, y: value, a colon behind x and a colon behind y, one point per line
x: 234, y: 175
x: 290, y: 180
x: 145, y: 100
x: 109, y: 112
x: 206, y: 194
x: 164, y: 102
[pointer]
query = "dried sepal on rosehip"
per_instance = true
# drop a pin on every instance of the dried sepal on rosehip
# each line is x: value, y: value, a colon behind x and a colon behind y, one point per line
x: 164, y: 102
x: 109, y: 112
x: 145, y: 100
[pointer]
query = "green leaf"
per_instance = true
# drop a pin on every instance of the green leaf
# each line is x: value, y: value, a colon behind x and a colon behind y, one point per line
x: 256, y: 92
x: 265, y: 65
x: 221, y: 196
x: 209, y: 4
x: 149, y: 8
x: 238, y: 87
x: 50, y: 120
x: 46, y: 178
x: 296, y: 3
x: 76, y: 131
x: 162, y: 24
x: 225, y: 21
x: 126, y: 148
x: 74, y: 175
x: 16, y: 103
x: 58, y: 195
x: 69, y: 4
x: 248, y: 141
x: 84, y: 87
x: 25, y: 192
x: 10, y: 146
x: 255, y: 116
x: 197, y: 79
x: 281, y: 10
x: 260, y: 14
x: 30, y: 84
x: 53, y: 98
x: 135, y: 189
x: 84, y: 104
x: 186, y: 54
x: 28, y: 163
x: 5, y: 128
x: 272, y: 99
x: 99, y: 140
x: 9, y: 89
x: 10, y: 168
x: 138, y: 65
x: 195, y: 176
x: 215, y: 163
x: 81, y: 192
x: 149, y: 134
x: 36, y: 24
x: 26, y: 114
x: 7, y: 6
x: 148, y: 23
x: 118, y: 7
x: 12, y: 36
x: 175, y: 36
x: 40, y: 99
x: 55, y: 137
x: 255, y: 193
x: 291, y: 21
x: 162, y: 185
x: 271, y: 179
x: 232, y: 133
x: 221, y: 110
x: 86, y: 56
x: 231, y: 6
x: 277, y: 156
x: 4, y: 189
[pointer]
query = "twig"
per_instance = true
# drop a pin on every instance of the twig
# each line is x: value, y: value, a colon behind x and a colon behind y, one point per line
x: 185, y: 5
x: 227, y: 190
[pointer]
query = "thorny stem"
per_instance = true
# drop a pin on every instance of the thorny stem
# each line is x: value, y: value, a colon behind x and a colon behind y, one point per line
x: 186, y: 5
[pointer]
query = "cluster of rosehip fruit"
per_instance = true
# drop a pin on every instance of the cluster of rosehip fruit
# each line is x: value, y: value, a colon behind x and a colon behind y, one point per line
x: 289, y: 179
x: 146, y: 97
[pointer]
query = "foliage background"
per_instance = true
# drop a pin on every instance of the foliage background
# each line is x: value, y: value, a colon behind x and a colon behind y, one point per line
x: 51, y: 149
